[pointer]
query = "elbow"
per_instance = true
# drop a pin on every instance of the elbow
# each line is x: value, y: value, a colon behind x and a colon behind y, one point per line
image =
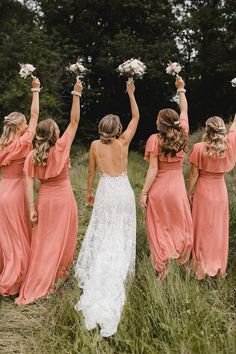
x: 153, y: 170
x: 194, y: 174
x: 74, y: 120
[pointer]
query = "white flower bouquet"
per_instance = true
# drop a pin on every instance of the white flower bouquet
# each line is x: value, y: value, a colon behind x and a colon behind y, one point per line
x: 133, y: 69
x: 26, y: 70
x: 78, y: 69
x: 173, y: 69
x: 233, y: 82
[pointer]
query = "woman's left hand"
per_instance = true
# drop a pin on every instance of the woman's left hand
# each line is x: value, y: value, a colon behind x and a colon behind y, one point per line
x: 143, y: 201
x: 179, y: 82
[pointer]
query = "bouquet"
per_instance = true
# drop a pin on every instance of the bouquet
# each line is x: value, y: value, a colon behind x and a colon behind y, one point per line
x: 233, y: 82
x: 78, y: 69
x: 26, y: 70
x: 133, y: 69
x: 173, y: 69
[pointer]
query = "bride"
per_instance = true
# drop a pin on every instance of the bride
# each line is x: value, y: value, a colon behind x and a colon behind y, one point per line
x: 107, y: 254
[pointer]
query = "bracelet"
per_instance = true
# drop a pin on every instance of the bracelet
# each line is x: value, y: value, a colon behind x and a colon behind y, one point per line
x: 181, y: 90
x: 36, y: 89
x: 144, y: 193
x: 76, y: 93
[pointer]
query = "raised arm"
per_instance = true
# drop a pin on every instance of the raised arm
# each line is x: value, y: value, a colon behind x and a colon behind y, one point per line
x: 233, y: 125
x: 75, y: 109
x: 183, y: 103
x: 30, y: 199
x: 91, y: 175
x: 128, y: 134
x: 150, y: 176
x: 34, y: 111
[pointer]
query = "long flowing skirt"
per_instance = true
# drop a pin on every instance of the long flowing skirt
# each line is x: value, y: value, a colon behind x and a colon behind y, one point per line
x: 53, y: 241
x: 211, y: 226
x: 168, y: 220
x: 107, y: 254
x: 15, y: 235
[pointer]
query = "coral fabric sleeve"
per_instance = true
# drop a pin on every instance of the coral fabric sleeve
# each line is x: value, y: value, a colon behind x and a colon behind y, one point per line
x: 218, y: 165
x: 195, y: 156
x: 151, y: 147
x: 17, y: 149
x: 58, y: 157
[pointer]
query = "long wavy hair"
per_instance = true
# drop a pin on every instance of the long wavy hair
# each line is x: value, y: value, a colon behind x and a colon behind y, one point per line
x: 10, y: 125
x: 215, y: 137
x: 172, y: 135
x: 109, y: 127
x: 44, y: 139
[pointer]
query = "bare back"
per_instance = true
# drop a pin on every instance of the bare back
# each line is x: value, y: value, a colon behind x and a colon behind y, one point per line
x: 111, y: 159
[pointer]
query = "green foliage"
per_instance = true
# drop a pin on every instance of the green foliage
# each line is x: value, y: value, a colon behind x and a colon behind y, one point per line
x: 50, y: 34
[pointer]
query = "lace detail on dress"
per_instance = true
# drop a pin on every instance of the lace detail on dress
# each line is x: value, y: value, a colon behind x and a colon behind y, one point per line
x: 107, y: 254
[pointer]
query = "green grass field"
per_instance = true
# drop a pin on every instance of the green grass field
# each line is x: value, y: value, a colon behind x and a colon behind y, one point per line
x: 180, y: 315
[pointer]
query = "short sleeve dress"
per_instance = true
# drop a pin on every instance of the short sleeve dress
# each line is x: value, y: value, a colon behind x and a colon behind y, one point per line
x: 54, y: 236
x: 210, y: 209
x: 168, y: 218
x: 15, y: 228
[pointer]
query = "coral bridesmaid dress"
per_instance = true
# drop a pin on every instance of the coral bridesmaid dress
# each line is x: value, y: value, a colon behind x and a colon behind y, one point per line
x: 54, y: 237
x: 210, y: 210
x: 15, y: 228
x: 168, y: 217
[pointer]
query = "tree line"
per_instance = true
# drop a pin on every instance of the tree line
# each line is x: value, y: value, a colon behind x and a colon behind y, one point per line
x: 50, y: 34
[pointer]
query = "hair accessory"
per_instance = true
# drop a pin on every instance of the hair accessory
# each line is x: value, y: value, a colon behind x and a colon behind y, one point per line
x: 76, y: 93
x: 177, y: 122
x: 181, y: 90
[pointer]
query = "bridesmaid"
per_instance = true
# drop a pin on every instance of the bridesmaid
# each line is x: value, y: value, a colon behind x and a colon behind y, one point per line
x: 210, y: 160
x: 164, y: 197
x: 55, y: 215
x: 15, y: 228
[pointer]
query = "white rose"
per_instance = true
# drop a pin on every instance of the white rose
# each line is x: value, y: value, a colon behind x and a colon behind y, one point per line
x: 233, y: 82
x: 173, y: 68
x: 80, y: 67
x: 73, y: 68
x: 30, y: 67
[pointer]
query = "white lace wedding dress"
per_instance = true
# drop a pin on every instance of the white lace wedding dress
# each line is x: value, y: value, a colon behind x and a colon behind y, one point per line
x: 107, y: 254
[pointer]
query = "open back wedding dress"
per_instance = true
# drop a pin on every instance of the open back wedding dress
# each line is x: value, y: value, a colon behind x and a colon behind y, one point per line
x: 107, y: 254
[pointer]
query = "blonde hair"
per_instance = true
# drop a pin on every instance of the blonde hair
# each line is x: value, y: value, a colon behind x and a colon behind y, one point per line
x: 215, y: 137
x: 44, y: 139
x: 11, y: 122
x: 109, y: 127
x: 172, y: 134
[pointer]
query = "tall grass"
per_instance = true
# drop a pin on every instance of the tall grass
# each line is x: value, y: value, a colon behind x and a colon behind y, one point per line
x: 180, y: 315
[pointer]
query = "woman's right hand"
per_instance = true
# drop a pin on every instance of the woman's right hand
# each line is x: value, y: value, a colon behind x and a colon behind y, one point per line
x: 33, y: 216
x: 190, y: 199
x: 78, y: 87
x: 130, y: 87
x: 179, y: 82
x: 90, y: 199
x: 35, y: 83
